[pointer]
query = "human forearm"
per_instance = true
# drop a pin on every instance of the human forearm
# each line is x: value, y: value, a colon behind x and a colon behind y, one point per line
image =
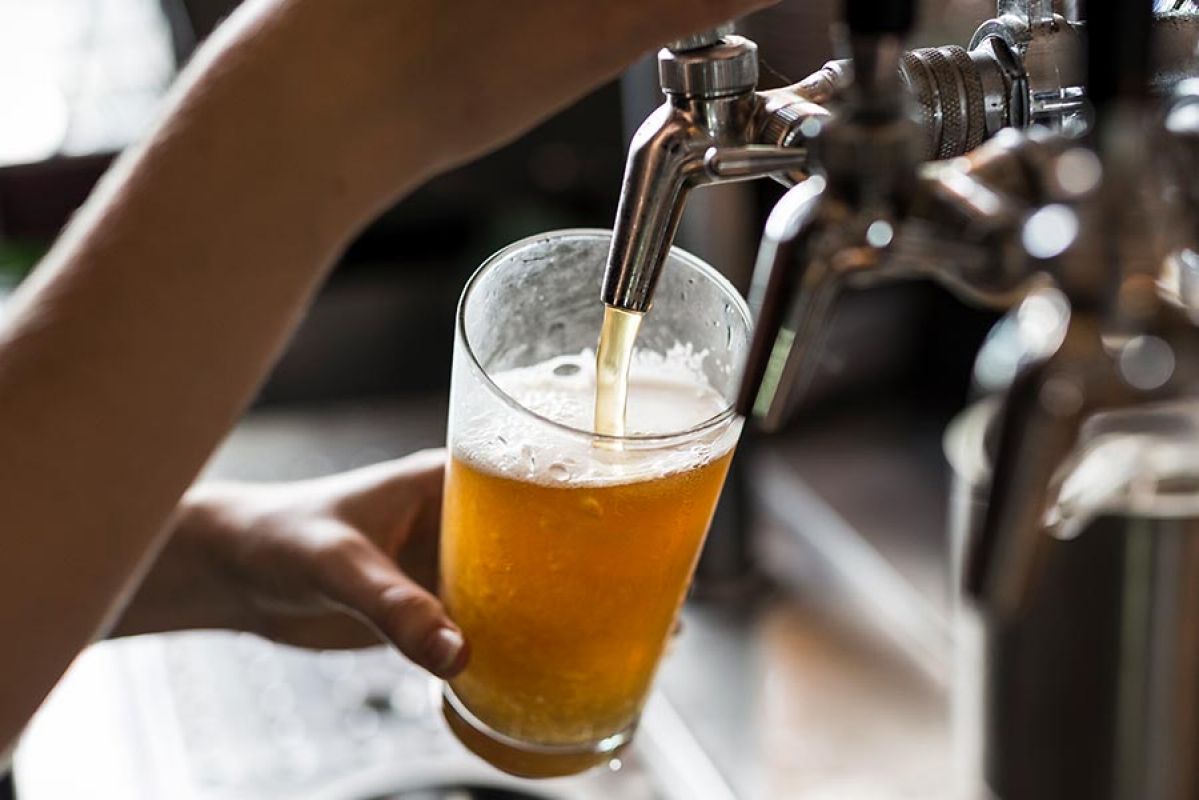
x: 190, y: 586
x: 140, y: 340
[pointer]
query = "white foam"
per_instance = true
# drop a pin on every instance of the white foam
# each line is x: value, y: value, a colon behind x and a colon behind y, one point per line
x: 668, y: 394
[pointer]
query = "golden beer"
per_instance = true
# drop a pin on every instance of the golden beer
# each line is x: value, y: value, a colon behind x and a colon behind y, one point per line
x: 568, y: 595
x: 566, y: 554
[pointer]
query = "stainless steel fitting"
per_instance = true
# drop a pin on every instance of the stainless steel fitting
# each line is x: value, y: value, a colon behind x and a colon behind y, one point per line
x: 724, y: 67
x: 962, y: 98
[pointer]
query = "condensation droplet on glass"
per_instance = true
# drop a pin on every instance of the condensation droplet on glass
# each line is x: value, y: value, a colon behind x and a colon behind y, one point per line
x: 567, y: 370
x: 559, y: 472
x: 615, y: 765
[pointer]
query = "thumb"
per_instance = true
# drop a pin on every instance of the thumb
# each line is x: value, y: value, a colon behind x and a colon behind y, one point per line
x: 358, y: 576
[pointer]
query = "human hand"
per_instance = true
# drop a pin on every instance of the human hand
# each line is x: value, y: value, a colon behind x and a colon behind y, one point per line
x: 344, y: 561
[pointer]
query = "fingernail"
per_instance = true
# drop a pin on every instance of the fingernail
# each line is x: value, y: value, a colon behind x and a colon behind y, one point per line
x: 446, y: 650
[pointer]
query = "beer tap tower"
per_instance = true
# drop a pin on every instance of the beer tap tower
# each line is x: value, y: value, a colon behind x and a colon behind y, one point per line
x: 1022, y: 68
x: 1052, y: 156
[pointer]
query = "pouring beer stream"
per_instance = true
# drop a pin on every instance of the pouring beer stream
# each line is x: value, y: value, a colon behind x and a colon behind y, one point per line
x: 613, y: 358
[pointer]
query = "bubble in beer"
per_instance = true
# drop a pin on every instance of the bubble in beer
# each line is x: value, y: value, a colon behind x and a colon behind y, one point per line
x: 566, y: 370
x: 592, y: 507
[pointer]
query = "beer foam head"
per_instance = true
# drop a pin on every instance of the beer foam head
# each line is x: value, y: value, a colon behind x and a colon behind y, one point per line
x: 668, y: 394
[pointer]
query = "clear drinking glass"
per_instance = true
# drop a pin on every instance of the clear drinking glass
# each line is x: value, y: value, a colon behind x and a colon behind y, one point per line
x: 566, y: 555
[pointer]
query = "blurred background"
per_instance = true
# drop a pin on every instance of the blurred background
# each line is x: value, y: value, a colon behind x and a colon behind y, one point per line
x: 815, y: 658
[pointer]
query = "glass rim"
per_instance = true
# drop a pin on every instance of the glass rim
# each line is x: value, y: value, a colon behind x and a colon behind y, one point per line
x: 690, y: 261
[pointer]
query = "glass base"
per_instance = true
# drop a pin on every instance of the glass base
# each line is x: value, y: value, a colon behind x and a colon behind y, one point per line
x: 524, y: 759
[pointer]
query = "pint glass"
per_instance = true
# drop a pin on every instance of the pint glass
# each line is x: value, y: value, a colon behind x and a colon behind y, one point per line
x: 566, y: 555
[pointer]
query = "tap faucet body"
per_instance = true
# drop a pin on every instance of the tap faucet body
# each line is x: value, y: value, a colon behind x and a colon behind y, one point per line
x: 883, y: 217
x: 713, y: 128
x: 830, y: 230
x: 876, y: 214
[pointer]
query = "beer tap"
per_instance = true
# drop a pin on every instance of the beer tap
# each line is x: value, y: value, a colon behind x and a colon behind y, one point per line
x: 713, y: 128
x: 957, y: 222
x: 1080, y: 558
x: 716, y: 127
x: 1126, y: 344
x: 874, y: 212
x: 1022, y: 68
x: 835, y: 224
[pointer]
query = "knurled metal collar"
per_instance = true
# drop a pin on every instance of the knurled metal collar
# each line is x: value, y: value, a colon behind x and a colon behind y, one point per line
x: 784, y: 126
x: 949, y: 98
x: 728, y: 67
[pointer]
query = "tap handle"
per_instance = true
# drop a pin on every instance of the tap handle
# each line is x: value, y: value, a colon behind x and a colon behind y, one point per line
x: 788, y: 270
x: 1119, y: 50
x: 877, y: 30
x: 877, y: 17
